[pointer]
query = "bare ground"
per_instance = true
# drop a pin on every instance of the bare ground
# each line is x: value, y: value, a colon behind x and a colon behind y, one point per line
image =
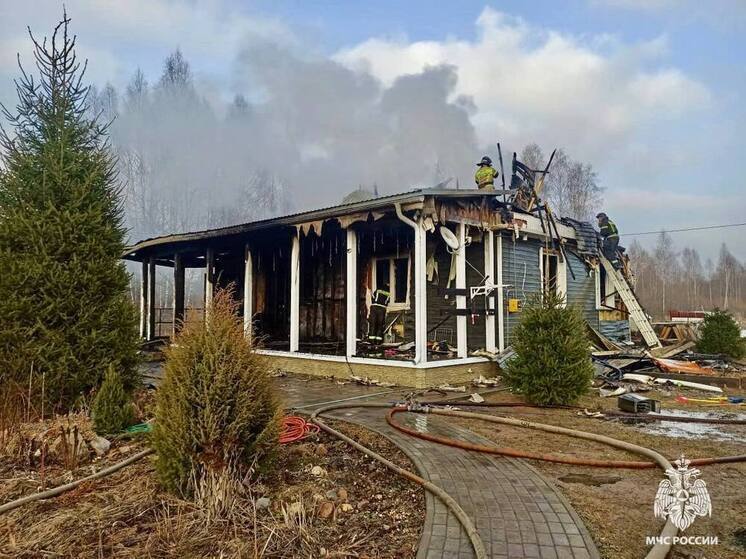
x: 127, y: 514
x: 617, y: 504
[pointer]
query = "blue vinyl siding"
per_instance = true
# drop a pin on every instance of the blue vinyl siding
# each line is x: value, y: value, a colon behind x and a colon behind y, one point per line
x: 581, y: 291
x: 521, y: 272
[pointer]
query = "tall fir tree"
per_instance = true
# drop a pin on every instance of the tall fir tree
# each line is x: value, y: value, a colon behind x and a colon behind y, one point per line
x: 65, y: 314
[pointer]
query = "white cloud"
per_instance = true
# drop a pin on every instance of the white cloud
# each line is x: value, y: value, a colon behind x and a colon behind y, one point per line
x: 592, y: 93
x: 209, y: 30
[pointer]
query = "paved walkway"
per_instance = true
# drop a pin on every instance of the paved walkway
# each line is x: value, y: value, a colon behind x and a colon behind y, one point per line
x: 516, y: 511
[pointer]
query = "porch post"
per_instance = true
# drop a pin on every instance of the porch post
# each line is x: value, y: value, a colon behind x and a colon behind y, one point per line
x: 351, y: 288
x: 178, y: 293
x: 294, y: 292
x: 462, y: 349
x: 209, y: 279
x: 489, y: 271
x: 420, y: 293
x: 144, y: 300
x: 151, y: 299
x: 248, y: 292
x: 500, y: 296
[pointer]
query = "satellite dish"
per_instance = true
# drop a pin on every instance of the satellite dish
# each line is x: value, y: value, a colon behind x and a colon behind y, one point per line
x: 450, y: 239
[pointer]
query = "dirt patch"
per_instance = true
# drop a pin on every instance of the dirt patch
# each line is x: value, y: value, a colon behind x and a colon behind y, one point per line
x: 588, y: 479
x: 323, y: 499
x: 619, y: 515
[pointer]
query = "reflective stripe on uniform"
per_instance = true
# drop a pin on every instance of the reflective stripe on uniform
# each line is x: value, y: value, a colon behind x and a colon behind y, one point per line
x: 485, y: 176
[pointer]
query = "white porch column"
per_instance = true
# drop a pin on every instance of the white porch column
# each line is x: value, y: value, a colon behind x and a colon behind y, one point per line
x: 489, y: 271
x: 151, y: 299
x: 462, y: 350
x: 420, y: 294
x: 144, y: 286
x: 248, y: 292
x: 351, y: 288
x: 500, y: 296
x: 209, y: 279
x: 294, y: 292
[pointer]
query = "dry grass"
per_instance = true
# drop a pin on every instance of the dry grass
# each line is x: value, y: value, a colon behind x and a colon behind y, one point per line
x: 129, y: 515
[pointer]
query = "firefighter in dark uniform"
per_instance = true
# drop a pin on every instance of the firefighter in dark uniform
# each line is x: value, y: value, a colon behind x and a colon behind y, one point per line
x: 610, y: 235
x: 377, y: 315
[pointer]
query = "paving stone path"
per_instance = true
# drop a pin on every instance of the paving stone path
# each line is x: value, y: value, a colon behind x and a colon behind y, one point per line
x: 516, y: 511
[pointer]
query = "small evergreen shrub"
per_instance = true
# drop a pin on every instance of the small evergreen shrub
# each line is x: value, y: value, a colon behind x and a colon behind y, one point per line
x: 552, y: 364
x: 112, y: 409
x: 216, y: 409
x: 720, y: 333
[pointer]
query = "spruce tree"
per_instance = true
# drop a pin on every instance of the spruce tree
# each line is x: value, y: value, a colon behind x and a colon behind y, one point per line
x: 720, y: 333
x: 552, y: 364
x: 112, y: 408
x: 65, y: 314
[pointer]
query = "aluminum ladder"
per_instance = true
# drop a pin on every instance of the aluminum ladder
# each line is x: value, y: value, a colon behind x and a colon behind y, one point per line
x: 633, y: 306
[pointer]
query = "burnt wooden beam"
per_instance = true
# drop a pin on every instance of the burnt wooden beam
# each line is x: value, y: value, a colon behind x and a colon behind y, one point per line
x: 178, y: 294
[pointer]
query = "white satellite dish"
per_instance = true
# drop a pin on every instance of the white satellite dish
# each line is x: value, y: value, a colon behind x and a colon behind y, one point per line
x: 450, y: 239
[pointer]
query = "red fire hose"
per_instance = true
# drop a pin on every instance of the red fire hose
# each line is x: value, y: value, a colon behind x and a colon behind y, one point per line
x: 516, y: 453
x: 294, y: 428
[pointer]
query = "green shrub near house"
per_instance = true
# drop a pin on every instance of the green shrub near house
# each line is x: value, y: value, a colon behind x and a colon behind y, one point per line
x: 216, y: 409
x: 552, y: 363
x: 720, y: 333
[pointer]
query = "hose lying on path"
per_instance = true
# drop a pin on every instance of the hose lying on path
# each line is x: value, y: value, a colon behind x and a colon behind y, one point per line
x: 658, y: 551
x: 72, y: 485
x: 449, y: 501
x: 556, y: 458
x: 644, y: 417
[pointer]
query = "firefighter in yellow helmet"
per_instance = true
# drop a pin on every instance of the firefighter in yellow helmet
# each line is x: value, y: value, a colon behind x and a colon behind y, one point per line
x: 485, y: 175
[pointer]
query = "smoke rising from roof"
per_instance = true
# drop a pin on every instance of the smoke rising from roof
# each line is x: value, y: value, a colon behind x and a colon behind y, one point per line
x: 313, y: 131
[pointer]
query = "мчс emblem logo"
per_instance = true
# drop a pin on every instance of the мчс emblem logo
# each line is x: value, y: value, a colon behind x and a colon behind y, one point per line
x: 682, y: 497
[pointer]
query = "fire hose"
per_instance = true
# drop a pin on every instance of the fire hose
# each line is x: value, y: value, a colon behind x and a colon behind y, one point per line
x: 658, y: 551
x: 448, y: 501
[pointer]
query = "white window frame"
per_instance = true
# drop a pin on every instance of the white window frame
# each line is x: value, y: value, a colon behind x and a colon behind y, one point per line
x: 561, y: 274
x: 393, y: 306
x: 609, y: 302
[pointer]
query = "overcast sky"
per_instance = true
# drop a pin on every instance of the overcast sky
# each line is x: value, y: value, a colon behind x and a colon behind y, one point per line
x: 650, y: 92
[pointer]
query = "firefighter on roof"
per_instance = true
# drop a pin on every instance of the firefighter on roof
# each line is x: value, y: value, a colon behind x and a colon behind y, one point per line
x: 485, y: 175
x: 610, y: 235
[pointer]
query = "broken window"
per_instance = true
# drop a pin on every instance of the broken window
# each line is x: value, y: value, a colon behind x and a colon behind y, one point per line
x: 604, y: 290
x: 553, y: 272
x: 395, y: 272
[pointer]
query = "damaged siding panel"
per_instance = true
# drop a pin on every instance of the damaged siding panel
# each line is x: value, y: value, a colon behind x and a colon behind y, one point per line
x: 581, y: 291
x: 521, y: 273
x: 322, y: 290
x: 615, y: 330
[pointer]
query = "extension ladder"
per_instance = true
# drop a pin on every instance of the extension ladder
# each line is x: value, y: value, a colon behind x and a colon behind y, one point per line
x: 633, y: 306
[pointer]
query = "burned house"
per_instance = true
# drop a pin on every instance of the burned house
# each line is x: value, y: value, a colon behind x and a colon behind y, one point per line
x: 460, y: 265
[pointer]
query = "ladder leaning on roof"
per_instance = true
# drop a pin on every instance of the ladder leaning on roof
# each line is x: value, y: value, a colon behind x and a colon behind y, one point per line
x: 633, y: 306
